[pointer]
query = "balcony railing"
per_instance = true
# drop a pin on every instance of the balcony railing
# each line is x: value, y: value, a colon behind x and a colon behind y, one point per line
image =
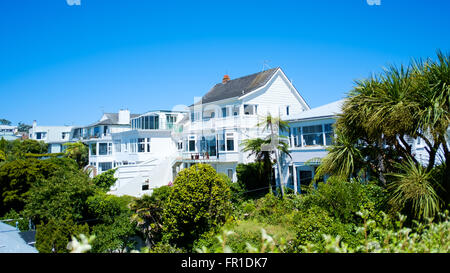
x: 245, y: 121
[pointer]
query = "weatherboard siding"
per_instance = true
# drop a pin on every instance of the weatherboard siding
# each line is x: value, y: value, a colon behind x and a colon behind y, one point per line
x: 274, y: 98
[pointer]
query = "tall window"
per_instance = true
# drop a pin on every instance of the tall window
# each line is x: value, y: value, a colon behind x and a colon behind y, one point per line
x: 93, y: 148
x: 97, y: 131
x: 230, y: 173
x: 104, y: 148
x: 230, y: 141
x: 224, y: 112
x: 141, y: 145
x: 328, y: 128
x: 191, y: 143
x: 221, y: 142
x: 297, y: 136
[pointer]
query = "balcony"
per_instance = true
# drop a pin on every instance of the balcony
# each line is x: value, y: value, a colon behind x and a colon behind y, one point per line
x: 245, y: 121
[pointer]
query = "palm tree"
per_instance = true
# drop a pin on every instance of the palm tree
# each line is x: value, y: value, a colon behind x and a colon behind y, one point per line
x: 273, y: 143
x: 257, y: 148
x: 344, y: 158
x: 413, y: 188
x: 78, y: 151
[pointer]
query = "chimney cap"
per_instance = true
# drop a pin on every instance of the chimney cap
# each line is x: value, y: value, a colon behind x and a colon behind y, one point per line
x: 225, y: 79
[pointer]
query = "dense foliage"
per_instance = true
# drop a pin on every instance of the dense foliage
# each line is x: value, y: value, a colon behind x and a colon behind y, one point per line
x: 199, y: 201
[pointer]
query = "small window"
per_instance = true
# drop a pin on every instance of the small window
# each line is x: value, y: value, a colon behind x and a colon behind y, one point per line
x: 287, y: 110
x: 230, y: 173
x: 146, y: 185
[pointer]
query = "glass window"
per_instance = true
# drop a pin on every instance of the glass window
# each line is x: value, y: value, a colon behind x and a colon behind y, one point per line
x: 312, y: 135
x: 224, y: 112
x: 146, y: 185
x: 328, y: 134
x: 104, y: 166
x: 221, y: 140
x: 192, y: 144
x: 93, y: 148
x: 230, y: 142
x: 97, y: 131
x: 141, y: 145
x: 103, y: 148
x: 230, y: 173
x: 297, y: 136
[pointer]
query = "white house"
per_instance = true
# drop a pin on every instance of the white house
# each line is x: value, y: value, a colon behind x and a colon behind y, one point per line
x: 9, y: 132
x: 229, y: 113
x: 145, y: 154
x: 54, y: 136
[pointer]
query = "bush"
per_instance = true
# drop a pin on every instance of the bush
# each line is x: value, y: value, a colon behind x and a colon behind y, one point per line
x: 199, y: 201
x: 105, y: 180
x: 310, y: 225
x: 342, y: 199
x: 17, y: 177
x: 253, y: 179
x: 56, y: 234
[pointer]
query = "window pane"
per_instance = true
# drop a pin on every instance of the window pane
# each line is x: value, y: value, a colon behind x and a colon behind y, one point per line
x: 313, y: 139
x: 191, y: 145
x: 312, y: 129
x: 141, y: 145
x: 102, y: 148
x: 230, y: 144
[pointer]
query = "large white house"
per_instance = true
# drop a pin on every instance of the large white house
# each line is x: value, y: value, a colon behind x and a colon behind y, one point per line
x: 229, y: 113
x: 54, y: 136
x: 162, y: 143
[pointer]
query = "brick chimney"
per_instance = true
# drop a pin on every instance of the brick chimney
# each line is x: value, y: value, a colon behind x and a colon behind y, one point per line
x: 226, y: 78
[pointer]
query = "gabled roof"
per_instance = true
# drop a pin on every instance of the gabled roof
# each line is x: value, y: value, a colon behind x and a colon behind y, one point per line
x: 238, y: 87
x: 327, y: 110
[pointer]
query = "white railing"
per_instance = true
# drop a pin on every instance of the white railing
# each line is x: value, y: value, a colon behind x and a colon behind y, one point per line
x: 227, y: 122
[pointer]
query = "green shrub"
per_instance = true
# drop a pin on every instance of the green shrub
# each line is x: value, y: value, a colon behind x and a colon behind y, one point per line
x: 310, y: 225
x: 56, y: 234
x: 199, y: 201
x: 342, y: 199
x: 245, y: 237
x: 105, y: 180
x: 253, y: 179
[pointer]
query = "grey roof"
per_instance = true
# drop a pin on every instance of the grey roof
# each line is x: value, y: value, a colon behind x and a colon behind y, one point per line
x: 327, y: 110
x: 111, y: 119
x: 238, y: 87
x: 12, y: 242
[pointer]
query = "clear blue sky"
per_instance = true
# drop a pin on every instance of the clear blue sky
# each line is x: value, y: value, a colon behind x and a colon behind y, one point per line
x: 62, y: 64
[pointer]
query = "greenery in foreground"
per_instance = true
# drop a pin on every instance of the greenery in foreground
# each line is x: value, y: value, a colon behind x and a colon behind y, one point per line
x: 379, y: 197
